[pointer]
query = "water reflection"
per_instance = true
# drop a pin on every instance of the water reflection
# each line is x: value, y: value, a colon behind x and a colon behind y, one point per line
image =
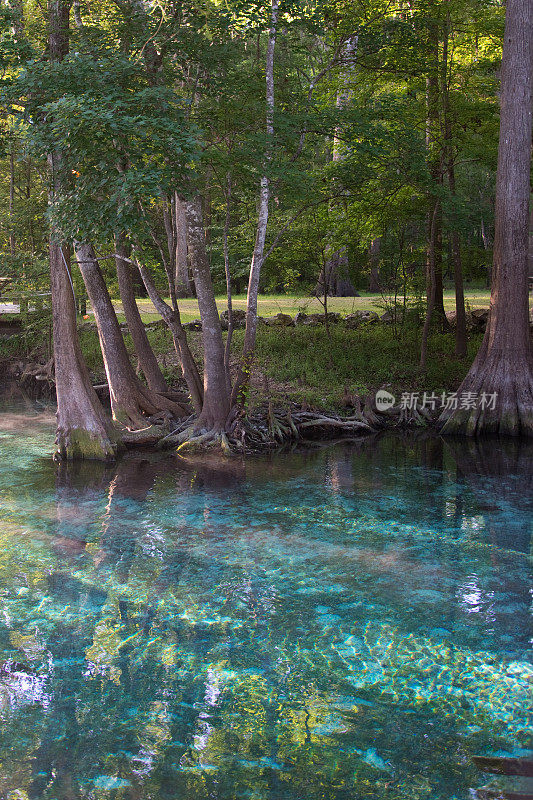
x: 353, y: 621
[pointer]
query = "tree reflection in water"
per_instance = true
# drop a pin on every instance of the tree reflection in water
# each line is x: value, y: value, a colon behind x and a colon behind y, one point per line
x: 349, y: 622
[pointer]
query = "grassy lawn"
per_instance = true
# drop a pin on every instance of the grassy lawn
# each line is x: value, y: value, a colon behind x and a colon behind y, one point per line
x: 303, y: 364
x: 269, y: 305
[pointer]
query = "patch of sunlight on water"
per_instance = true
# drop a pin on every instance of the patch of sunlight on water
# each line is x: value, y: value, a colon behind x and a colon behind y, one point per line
x: 351, y: 622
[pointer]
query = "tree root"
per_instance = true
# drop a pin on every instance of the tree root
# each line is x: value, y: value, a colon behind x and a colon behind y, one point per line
x: 143, y: 405
x: 39, y: 372
x: 144, y: 438
x: 175, y: 437
x: 265, y: 429
x: 502, y: 401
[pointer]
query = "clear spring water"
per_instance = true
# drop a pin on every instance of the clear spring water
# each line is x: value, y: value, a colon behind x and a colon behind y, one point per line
x: 352, y: 622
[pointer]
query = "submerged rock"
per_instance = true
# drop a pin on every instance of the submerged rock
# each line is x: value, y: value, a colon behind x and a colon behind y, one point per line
x: 110, y: 782
x: 373, y: 759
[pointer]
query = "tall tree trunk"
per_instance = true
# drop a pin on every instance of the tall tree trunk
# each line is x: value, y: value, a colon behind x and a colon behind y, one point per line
x: 130, y: 400
x: 460, y: 315
x: 172, y: 318
x: 83, y: 430
x: 214, y: 397
x: 227, y: 269
x: 430, y: 308
x: 334, y: 279
x: 503, y: 368
x: 435, y: 164
x: 216, y: 402
x: 145, y: 354
x: 461, y: 343
x: 262, y: 220
x: 12, y: 198
x: 182, y: 280
x: 374, y: 283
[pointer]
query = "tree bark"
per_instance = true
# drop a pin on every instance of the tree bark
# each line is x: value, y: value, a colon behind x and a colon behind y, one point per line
x: 216, y: 401
x: 334, y: 278
x: 460, y: 315
x: 374, y: 283
x: 431, y: 286
x: 172, y: 318
x: 227, y: 269
x: 435, y: 165
x: 182, y: 280
x: 11, y: 198
x: 83, y: 430
x: 212, y: 398
x: 145, y: 354
x: 131, y: 402
x: 503, y: 367
x: 262, y: 220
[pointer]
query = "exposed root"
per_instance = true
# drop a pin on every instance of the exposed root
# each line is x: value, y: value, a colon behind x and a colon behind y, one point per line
x: 200, y: 441
x: 144, y: 438
x: 174, y: 437
x: 419, y: 417
x: 337, y: 424
x: 39, y: 372
x: 142, y: 405
x: 267, y: 428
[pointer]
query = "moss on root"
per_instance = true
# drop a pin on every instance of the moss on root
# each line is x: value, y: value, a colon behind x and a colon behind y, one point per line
x: 79, y: 443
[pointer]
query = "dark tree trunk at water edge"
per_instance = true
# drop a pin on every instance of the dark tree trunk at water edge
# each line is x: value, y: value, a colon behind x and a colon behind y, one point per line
x: 216, y: 400
x: 503, y: 368
x: 83, y: 430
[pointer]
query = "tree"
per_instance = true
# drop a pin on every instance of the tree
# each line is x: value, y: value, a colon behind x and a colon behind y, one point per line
x: 262, y: 222
x: 334, y: 280
x: 145, y: 354
x: 501, y: 377
x: 83, y: 431
x: 130, y: 399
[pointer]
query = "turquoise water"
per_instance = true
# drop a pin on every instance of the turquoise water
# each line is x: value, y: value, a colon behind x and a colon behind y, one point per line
x: 351, y: 622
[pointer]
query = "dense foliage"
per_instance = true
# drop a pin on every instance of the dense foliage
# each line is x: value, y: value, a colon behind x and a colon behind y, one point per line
x: 127, y: 139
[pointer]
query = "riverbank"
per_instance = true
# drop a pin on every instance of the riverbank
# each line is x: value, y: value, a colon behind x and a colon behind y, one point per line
x: 309, y: 380
x: 325, y: 368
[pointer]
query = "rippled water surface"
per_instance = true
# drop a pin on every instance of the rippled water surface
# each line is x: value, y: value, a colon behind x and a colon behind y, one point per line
x: 351, y: 622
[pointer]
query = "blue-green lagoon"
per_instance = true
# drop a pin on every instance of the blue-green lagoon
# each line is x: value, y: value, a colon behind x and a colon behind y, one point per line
x: 348, y: 622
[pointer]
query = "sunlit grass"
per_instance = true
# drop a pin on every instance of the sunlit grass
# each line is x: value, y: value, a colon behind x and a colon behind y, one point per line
x: 269, y: 305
